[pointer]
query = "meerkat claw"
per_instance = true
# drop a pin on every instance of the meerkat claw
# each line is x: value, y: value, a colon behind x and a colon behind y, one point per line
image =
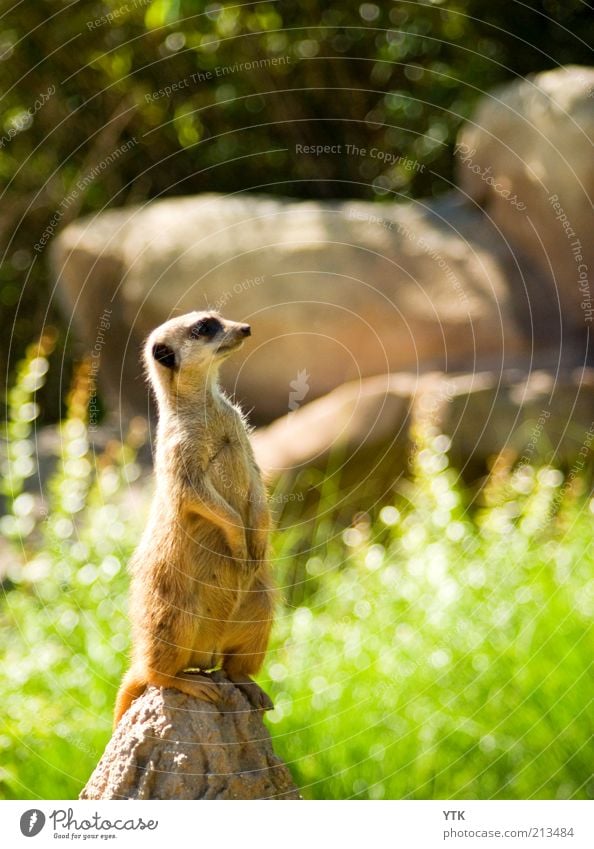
x: 253, y: 692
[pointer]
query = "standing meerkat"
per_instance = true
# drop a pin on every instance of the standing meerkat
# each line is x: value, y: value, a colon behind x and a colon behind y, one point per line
x: 202, y: 594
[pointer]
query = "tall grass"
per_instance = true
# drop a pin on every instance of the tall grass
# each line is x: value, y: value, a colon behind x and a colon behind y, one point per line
x: 438, y: 649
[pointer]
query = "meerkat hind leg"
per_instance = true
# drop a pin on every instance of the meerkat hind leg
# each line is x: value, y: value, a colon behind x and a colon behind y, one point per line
x: 191, y: 683
x: 135, y: 683
x: 252, y: 691
x: 247, y: 641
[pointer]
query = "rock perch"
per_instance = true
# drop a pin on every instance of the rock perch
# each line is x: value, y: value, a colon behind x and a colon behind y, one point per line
x: 171, y: 746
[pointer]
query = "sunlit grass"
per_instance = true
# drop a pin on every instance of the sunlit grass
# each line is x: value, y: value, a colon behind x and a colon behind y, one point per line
x: 433, y: 650
x: 451, y: 658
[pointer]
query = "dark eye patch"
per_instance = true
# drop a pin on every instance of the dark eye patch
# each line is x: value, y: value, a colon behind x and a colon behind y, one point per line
x: 206, y: 328
x: 164, y: 355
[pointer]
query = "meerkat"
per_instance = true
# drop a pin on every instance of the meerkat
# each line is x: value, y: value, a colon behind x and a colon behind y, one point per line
x: 201, y: 593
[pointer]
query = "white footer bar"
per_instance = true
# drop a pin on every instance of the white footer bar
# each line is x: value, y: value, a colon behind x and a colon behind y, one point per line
x: 300, y: 825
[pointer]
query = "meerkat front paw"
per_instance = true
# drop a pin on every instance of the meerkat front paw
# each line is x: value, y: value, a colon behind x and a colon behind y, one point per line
x: 237, y: 558
x: 251, y: 565
x: 249, y: 562
x: 240, y: 553
x: 258, y: 551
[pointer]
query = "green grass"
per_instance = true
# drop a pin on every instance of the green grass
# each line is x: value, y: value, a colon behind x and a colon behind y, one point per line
x: 449, y: 659
x: 441, y: 648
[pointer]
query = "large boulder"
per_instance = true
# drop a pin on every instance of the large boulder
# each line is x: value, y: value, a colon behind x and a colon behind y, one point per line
x: 333, y: 290
x: 171, y: 746
x: 527, y: 157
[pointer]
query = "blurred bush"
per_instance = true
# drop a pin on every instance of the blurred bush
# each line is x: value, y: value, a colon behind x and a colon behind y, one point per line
x: 111, y: 103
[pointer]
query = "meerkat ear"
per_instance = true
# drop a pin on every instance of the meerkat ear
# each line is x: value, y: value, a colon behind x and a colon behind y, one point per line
x: 164, y: 355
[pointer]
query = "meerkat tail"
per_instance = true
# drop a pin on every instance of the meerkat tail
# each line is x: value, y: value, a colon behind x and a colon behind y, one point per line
x: 131, y: 688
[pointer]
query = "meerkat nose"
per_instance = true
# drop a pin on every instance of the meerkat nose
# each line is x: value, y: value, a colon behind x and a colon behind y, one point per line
x: 246, y: 330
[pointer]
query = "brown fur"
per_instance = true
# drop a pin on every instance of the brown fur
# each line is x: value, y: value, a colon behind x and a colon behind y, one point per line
x: 202, y: 592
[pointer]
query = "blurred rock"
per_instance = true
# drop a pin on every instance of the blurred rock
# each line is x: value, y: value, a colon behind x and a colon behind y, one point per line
x: 539, y: 416
x: 526, y: 158
x: 338, y: 426
x: 333, y: 291
x: 171, y: 746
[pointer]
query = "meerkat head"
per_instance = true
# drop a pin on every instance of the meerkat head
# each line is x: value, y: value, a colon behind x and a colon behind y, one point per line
x: 186, y: 352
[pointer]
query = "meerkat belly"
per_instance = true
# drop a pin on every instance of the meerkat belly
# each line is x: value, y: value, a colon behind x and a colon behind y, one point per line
x: 215, y: 609
x: 214, y: 618
x: 214, y: 589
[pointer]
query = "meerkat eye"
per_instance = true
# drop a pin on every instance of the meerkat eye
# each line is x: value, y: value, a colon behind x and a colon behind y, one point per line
x: 206, y: 327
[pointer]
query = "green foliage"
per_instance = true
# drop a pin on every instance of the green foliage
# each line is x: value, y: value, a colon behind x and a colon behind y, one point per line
x: 437, y: 650
x: 445, y: 655
x: 63, y: 629
x: 18, y: 461
x: 112, y: 103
